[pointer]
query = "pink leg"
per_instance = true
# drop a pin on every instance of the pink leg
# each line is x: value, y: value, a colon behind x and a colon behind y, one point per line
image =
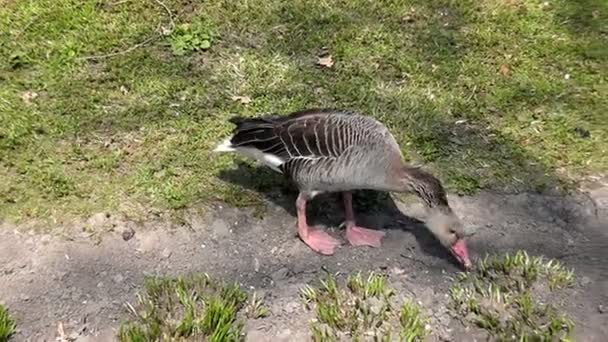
x: 318, y: 240
x: 358, y: 236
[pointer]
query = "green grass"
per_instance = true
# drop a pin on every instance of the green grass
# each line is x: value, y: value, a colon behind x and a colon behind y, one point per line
x: 7, y: 325
x: 362, y: 308
x: 190, y: 308
x: 114, y: 106
x: 513, y: 298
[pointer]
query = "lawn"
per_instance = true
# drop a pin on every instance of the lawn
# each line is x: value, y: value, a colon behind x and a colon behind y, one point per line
x: 115, y: 105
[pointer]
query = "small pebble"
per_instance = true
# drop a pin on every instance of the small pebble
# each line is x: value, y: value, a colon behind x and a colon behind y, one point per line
x: 165, y: 254
x: 601, y: 309
x: 291, y: 307
x: 282, y: 273
x: 128, y: 234
x: 397, y: 271
x: 118, y: 278
x: 285, y: 333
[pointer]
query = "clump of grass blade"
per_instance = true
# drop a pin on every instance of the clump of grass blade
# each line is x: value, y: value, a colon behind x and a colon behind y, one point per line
x: 193, y: 307
x: 7, y: 325
x: 500, y: 297
x: 363, y: 307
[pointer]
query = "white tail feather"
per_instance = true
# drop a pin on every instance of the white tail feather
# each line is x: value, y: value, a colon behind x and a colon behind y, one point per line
x: 225, y: 146
x: 267, y: 159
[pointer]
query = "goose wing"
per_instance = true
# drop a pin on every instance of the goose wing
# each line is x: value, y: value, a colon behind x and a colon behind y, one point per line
x: 311, y: 135
x: 306, y: 134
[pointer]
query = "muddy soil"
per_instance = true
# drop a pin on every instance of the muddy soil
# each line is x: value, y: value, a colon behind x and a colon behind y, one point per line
x: 83, y: 279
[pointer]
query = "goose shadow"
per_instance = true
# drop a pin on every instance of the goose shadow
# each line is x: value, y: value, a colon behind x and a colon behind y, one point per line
x: 373, y: 209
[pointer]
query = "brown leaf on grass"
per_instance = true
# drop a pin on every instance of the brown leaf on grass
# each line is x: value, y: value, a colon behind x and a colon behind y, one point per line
x: 242, y: 99
x: 326, y: 61
x: 28, y: 96
x: 504, y: 70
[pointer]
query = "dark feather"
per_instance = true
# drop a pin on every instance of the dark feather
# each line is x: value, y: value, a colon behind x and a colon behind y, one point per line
x: 307, y: 133
x: 256, y: 133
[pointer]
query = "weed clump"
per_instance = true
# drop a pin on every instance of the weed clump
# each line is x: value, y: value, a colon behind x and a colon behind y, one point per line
x: 501, y: 296
x: 191, y: 308
x: 364, y: 307
x: 7, y: 325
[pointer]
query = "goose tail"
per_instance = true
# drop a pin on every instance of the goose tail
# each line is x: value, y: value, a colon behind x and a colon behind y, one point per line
x: 240, y: 133
x: 254, y: 138
x: 225, y: 146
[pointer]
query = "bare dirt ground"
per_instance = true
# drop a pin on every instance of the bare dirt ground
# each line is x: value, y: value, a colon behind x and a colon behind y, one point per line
x: 83, y: 279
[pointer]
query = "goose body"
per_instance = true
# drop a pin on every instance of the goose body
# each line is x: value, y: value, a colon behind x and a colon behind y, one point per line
x: 331, y: 150
x: 321, y: 150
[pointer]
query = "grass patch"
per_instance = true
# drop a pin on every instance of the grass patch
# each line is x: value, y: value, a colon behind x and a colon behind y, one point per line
x: 7, y: 325
x: 255, y: 308
x: 115, y: 105
x: 362, y: 308
x: 190, y: 308
x: 512, y: 297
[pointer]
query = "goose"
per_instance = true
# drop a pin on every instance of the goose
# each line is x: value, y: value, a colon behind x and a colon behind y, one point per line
x: 334, y: 150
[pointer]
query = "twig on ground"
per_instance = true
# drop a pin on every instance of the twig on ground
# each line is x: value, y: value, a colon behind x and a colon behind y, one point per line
x: 131, y: 309
x: 169, y: 13
x: 122, y: 52
x: 138, y: 45
x: 120, y: 2
x: 414, y: 259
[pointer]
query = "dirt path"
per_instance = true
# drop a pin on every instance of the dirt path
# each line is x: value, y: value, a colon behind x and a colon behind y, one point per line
x: 83, y: 280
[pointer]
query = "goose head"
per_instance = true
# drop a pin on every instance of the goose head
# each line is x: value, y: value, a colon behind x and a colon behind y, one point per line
x: 448, y: 229
x: 442, y: 222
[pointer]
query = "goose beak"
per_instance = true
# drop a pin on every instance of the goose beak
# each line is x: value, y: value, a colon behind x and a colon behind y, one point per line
x: 461, y: 253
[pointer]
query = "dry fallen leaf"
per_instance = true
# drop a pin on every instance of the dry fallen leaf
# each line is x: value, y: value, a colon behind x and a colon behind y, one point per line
x: 63, y: 337
x: 60, y: 332
x: 326, y: 61
x: 408, y: 19
x: 28, y: 96
x: 504, y: 70
x: 242, y: 99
